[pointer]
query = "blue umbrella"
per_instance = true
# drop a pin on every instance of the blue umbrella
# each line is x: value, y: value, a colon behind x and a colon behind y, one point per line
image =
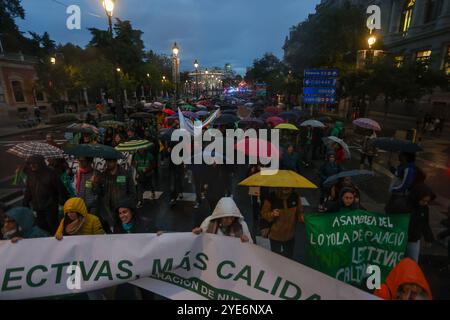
x: 396, y: 145
x: 356, y: 175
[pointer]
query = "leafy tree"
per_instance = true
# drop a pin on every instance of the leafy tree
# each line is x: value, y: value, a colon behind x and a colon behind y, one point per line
x: 268, y: 69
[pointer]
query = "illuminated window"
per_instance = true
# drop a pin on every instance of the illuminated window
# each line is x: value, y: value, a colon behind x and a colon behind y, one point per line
x: 447, y: 62
x: 423, y: 57
x: 407, y: 14
x: 18, y: 91
x: 399, y: 60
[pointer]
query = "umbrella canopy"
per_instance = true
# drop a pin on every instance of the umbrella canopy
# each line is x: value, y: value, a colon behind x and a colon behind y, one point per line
x: 93, y: 151
x: 111, y: 124
x: 249, y: 104
x: 260, y: 147
x: 134, y: 145
x: 367, y: 123
x: 244, y: 112
x: 187, y: 107
x: 272, y: 110
x: 225, y: 119
x: 313, y: 123
x: 287, y: 126
x: 82, y: 128
x: 332, y: 139
x: 32, y: 148
x: 357, y: 176
x: 283, y: 179
x: 395, y: 145
x: 169, y: 112
x: 202, y: 113
x: 140, y: 115
x: 199, y: 106
x: 288, y: 115
x: 158, y: 104
x: 233, y: 112
x: 189, y: 114
x: 274, y: 120
x: 251, y: 122
x: 204, y: 103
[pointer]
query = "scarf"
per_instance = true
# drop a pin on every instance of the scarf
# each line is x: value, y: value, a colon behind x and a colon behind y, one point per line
x: 78, y: 179
x: 73, y: 227
x: 127, y: 226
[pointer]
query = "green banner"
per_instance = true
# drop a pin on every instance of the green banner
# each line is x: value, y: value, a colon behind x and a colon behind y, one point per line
x: 344, y: 244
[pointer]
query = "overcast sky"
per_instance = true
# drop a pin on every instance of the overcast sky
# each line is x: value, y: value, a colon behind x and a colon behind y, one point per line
x: 213, y: 31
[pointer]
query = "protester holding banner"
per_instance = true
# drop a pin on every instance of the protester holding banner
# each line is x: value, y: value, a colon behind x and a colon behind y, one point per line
x: 226, y: 220
x: 19, y: 223
x: 282, y: 210
x: 342, y: 183
x: 348, y: 200
x: 128, y: 220
x: 405, y: 282
x: 416, y: 205
x: 77, y: 221
x: 328, y: 169
x: 113, y: 185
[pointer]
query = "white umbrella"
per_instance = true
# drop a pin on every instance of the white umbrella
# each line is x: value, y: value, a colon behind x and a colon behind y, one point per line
x: 313, y: 123
x: 332, y: 139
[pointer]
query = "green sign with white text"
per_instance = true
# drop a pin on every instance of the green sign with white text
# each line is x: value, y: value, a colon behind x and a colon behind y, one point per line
x: 344, y: 244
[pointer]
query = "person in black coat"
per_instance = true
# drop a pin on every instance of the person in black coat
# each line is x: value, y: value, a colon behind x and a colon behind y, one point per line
x: 130, y: 222
x: 416, y: 205
x: 44, y: 193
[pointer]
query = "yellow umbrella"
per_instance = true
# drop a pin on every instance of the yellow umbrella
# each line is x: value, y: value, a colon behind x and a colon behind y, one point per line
x: 287, y: 126
x: 283, y: 179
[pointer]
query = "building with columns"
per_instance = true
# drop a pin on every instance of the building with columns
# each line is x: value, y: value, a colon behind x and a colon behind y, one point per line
x: 413, y: 30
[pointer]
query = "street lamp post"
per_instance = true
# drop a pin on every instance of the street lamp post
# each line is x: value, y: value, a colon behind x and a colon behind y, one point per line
x: 196, y: 77
x: 109, y: 5
x: 176, y: 68
x: 206, y: 81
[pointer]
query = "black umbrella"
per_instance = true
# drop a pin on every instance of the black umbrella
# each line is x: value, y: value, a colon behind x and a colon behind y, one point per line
x: 226, y: 119
x: 93, y: 151
x: 396, y: 145
x: 233, y: 112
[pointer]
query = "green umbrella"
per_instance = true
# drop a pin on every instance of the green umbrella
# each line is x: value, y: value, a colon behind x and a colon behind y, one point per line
x: 188, y: 107
x: 134, y: 145
x: 93, y: 151
x: 111, y: 124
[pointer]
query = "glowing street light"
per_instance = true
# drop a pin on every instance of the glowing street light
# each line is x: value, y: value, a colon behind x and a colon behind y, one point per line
x: 175, y: 49
x: 118, y: 70
x: 371, y: 41
x: 109, y: 7
x: 53, y: 60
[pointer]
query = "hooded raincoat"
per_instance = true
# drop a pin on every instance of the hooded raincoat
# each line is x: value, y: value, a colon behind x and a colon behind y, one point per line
x: 25, y: 221
x: 407, y: 271
x: 91, y: 224
x: 226, y: 207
